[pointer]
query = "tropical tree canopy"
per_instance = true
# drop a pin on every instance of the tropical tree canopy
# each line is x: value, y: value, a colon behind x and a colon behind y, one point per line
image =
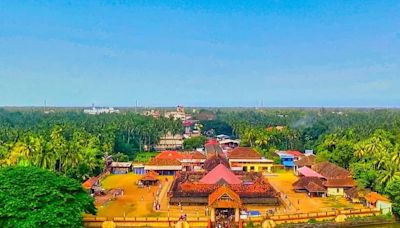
x: 34, y: 197
x: 194, y: 142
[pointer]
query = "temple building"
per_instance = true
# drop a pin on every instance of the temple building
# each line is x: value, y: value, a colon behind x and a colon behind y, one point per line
x: 221, y: 189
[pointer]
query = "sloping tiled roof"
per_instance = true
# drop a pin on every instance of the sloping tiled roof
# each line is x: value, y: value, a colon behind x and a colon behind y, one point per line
x: 170, y: 154
x: 329, y: 170
x: 214, y: 161
x: 220, y: 172
x: 305, y: 161
x: 214, y: 197
x: 342, y: 182
x: 164, y: 162
x: 307, y: 172
x: 372, y: 197
x: 243, y: 153
x: 302, y: 182
x: 198, y: 155
x: 150, y: 176
x: 315, y: 186
x: 88, y: 184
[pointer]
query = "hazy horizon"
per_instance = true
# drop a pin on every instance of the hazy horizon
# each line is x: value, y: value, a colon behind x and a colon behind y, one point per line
x: 208, y: 54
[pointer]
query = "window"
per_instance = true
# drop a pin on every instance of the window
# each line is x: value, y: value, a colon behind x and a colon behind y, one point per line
x: 251, y: 168
x: 337, y: 190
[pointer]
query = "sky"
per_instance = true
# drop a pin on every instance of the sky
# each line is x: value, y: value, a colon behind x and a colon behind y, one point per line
x: 200, y: 53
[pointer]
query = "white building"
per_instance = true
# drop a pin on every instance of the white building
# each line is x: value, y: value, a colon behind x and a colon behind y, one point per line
x: 97, y: 111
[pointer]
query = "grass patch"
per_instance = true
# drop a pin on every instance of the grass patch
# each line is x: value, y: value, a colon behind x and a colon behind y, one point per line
x: 144, y: 157
x: 334, y: 201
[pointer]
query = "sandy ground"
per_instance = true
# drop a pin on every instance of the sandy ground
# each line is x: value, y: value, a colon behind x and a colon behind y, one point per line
x: 136, y: 202
x: 300, y: 202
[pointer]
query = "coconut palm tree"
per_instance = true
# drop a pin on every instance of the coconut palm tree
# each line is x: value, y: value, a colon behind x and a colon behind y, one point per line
x: 359, y: 150
x: 396, y: 155
x: 389, y: 173
x: 262, y: 138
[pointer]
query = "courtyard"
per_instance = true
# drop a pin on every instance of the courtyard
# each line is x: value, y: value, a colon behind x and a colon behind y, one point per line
x: 136, y: 201
x: 300, y: 202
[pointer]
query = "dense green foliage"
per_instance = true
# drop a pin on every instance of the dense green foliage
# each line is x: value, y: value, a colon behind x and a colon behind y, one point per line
x: 194, y: 142
x: 218, y: 127
x: 33, y: 197
x: 75, y: 143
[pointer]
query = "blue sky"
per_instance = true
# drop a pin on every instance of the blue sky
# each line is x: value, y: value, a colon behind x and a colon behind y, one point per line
x: 200, y: 53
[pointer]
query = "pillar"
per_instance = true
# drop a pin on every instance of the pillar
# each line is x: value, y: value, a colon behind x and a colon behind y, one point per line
x: 237, y: 215
x: 269, y: 169
x: 212, y: 214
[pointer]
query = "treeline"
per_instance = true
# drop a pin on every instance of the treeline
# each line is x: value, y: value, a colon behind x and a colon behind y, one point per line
x: 75, y: 143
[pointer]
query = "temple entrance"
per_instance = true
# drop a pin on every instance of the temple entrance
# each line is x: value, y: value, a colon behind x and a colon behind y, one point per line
x: 224, y: 214
x: 225, y: 206
x: 225, y: 218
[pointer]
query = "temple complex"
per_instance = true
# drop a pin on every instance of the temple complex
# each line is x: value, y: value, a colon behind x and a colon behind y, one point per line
x: 224, y: 191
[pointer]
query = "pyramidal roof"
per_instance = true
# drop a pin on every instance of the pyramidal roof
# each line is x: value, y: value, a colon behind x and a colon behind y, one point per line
x: 218, y: 174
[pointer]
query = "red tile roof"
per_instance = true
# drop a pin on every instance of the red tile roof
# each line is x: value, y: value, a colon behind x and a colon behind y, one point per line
x: 170, y: 154
x: 302, y: 182
x: 243, y: 153
x: 150, y: 176
x: 212, y: 142
x: 314, y: 186
x: 197, y: 155
x: 88, y: 184
x: 342, y: 182
x: 220, y: 173
x: 295, y: 153
x: 372, y: 197
x: 214, y: 198
x: 164, y: 162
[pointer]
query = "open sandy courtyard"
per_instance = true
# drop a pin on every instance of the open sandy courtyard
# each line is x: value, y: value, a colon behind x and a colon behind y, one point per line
x: 300, y: 202
x: 136, y: 201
